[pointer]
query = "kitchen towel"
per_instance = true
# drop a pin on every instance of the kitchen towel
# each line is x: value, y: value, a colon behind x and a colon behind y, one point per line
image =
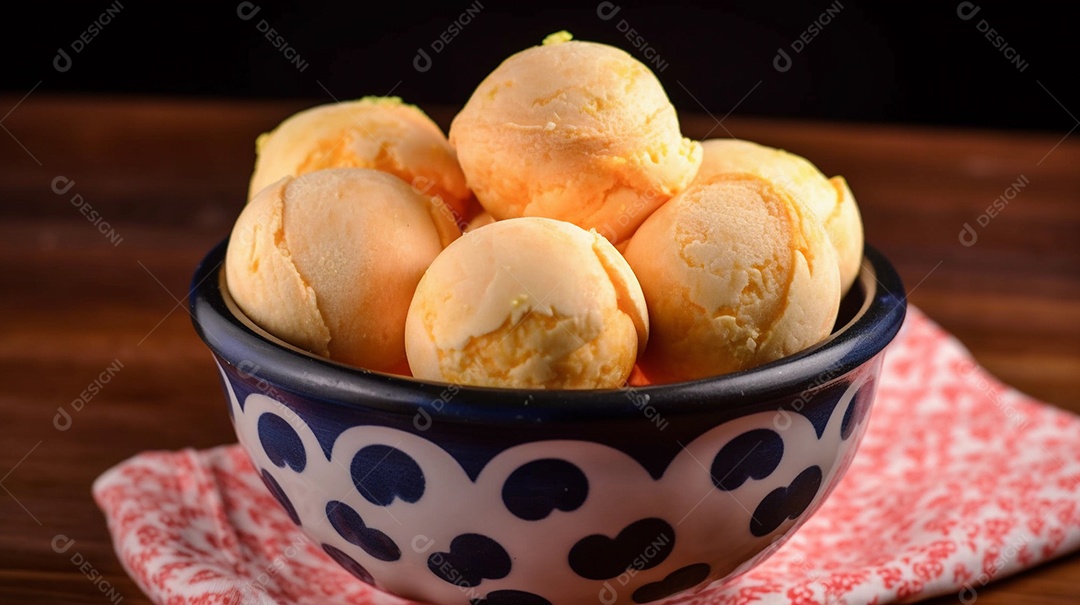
x: 959, y: 480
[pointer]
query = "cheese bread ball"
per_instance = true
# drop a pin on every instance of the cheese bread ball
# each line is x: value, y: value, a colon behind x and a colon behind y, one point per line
x: 576, y: 131
x: 528, y: 303
x: 328, y: 262
x: 845, y: 229
x: 374, y: 132
x: 832, y: 203
x: 736, y: 273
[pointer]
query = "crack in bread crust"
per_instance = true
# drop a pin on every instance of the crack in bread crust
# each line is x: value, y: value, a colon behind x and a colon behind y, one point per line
x: 509, y: 355
x: 280, y: 242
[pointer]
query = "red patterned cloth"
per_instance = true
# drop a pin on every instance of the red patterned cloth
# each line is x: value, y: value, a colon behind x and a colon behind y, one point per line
x: 958, y: 481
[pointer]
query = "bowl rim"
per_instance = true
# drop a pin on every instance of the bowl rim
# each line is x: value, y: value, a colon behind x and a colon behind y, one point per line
x: 236, y: 340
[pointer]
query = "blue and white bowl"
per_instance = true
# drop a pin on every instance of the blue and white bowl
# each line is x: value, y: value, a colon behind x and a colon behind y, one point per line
x: 460, y: 495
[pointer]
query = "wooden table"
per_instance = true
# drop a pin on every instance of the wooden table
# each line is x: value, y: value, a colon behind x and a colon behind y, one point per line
x: 96, y: 277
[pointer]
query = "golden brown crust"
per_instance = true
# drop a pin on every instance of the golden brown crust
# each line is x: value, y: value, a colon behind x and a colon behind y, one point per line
x: 329, y: 261
x: 829, y: 199
x: 576, y: 131
x: 736, y: 273
x: 378, y: 133
x: 527, y: 302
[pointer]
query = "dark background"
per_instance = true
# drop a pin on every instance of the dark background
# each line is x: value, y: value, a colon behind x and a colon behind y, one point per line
x: 898, y: 62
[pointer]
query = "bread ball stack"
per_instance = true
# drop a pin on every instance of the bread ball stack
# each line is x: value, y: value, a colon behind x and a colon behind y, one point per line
x: 351, y: 247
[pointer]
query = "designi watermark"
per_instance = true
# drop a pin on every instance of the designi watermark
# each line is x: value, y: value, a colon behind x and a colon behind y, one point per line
x: 968, y: 236
x: 609, y: 594
x: 607, y: 11
x: 968, y: 372
x: 63, y: 61
x: 782, y: 419
x: 641, y: 402
x: 421, y: 544
x: 61, y: 185
x: 635, y: 213
x: 783, y: 61
x: 967, y: 11
x: 423, y: 61
x: 61, y: 544
x: 62, y: 419
x: 249, y: 371
x: 423, y: 185
x: 968, y: 594
x: 247, y: 11
x: 278, y: 564
x: 422, y: 420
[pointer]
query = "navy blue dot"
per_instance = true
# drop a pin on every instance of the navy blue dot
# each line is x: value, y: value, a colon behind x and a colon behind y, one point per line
x: 538, y: 488
x: 279, y: 495
x: 785, y: 503
x: 818, y: 406
x: 752, y: 455
x: 472, y: 559
x: 281, y: 443
x: 677, y: 581
x: 857, y: 409
x: 350, y: 525
x: 382, y: 473
x: 510, y: 597
x: 641, y: 545
x: 349, y: 564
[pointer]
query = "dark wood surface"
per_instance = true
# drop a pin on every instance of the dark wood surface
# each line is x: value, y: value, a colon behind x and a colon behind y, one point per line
x: 170, y: 176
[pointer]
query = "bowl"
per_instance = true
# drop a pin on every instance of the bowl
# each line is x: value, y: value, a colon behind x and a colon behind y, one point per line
x: 460, y: 495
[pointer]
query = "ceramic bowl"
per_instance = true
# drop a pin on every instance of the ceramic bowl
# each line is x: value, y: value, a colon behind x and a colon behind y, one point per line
x: 459, y: 495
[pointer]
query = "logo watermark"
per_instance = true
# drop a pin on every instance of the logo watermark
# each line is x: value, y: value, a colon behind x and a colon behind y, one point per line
x: 423, y: 61
x: 248, y: 370
x: 967, y: 11
x: 422, y: 185
x: 782, y: 419
x: 968, y: 236
x: 63, y: 61
x: 968, y: 594
x: 641, y: 402
x: 634, y: 213
x: 61, y: 544
x: 448, y: 572
x: 61, y: 185
x: 422, y: 420
x: 783, y: 61
x: 968, y: 373
x: 278, y: 564
x: 247, y: 11
x: 609, y: 594
x: 606, y: 11
x: 62, y: 419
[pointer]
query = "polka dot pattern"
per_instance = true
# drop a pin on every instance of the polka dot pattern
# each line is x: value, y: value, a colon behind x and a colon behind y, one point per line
x: 752, y: 455
x: 349, y: 525
x: 281, y: 443
x: 279, y: 495
x: 472, y: 558
x: 382, y: 473
x: 538, y: 488
x: 396, y: 501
